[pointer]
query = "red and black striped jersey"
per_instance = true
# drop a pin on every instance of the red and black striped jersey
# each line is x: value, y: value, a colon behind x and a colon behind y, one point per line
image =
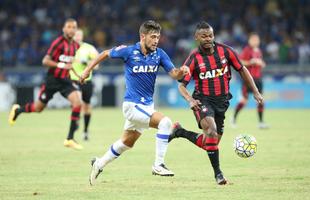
x: 249, y: 53
x: 61, y: 50
x: 212, y: 73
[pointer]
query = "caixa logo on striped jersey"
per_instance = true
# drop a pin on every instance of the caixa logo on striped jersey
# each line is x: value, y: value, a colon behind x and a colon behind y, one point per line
x: 145, y: 68
x: 213, y: 73
x: 65, y: 58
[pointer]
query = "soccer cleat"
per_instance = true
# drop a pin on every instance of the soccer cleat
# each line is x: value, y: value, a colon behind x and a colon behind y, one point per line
x: 161, y: 170
x: 263, y: 125
x: 220, y: 179
x: 175, y: 127
x: 85, y: 136
x: 72, y: 144
x: 95, y: 171
x: 13, y: 115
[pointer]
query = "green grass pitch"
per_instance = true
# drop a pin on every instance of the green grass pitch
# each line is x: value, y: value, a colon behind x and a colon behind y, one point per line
x: 35, y: 165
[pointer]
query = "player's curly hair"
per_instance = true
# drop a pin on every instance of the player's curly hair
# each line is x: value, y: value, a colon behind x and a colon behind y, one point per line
x: 149, y: 26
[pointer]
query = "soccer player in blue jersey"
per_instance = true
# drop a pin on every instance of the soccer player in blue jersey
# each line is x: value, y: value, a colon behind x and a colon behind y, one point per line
x: 142, y: 61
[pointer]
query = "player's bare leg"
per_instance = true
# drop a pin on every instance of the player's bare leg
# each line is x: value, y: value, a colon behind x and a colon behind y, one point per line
x: 211, y: 146
x: 164, y: 126
x: 126, y: 142
x: 16, y: 110
x: 75, y: 99
x: 86, y: 109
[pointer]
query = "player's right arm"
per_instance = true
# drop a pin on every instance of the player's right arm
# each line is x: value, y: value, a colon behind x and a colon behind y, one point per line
x: 193, y: 103
x: 52, y: 51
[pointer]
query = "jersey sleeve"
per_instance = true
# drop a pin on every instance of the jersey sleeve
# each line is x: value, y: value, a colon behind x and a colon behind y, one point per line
x: 54, y: 46
x: 165, y: 61
x: 189, y: 62
x: 121, y: 51
x: 234, y: 60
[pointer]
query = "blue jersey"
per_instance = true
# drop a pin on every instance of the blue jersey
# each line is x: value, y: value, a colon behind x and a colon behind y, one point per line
x: 141, y: 71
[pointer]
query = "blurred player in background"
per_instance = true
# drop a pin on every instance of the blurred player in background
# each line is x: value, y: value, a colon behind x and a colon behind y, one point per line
x: 209, y: 66
x: 83, y: 56
x: 58, y: 59
x: 142, y: 62
x: 252, y: 58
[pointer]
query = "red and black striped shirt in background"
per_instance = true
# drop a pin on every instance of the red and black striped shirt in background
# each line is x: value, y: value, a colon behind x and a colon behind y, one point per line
x: 61, y: 50
x: 248, y: 54
x: 212, y: 73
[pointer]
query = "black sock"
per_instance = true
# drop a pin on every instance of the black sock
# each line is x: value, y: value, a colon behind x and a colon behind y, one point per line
x: 189, y: 135
x: 75, y: 116
x: 86, y: 122
x: 214, y: 159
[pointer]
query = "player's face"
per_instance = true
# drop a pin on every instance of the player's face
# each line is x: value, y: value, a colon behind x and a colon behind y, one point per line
x: 150, y: 40
x: 78, y: 36
x: 69, y: 29
x: 254, y: 41
x: 205, y: 37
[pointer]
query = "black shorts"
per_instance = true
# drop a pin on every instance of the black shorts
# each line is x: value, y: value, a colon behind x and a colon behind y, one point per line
x: 53, y: 85
x: 213, y: 107
x: 87, y: 90
x: 246, y: 90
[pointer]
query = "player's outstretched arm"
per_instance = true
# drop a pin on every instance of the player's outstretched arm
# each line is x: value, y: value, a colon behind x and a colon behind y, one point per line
x: 246, y: 76
x: 101, y: 57
x: 193, y: 103
x: 179, y: 73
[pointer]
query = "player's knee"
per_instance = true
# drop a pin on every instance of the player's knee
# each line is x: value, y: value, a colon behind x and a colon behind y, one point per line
x: 76, y: 103
x: 210, y: 132
x: 165, y: 125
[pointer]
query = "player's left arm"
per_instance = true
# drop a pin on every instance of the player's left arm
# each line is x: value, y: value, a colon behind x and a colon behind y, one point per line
x: 245, y: 74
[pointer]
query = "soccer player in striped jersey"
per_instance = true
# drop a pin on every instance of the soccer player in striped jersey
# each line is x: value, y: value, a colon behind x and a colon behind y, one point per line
x: 142, y: 61
x: 58, y: 59
x: 84, y: 55
x: 252, y: 58
x: 210, y: 67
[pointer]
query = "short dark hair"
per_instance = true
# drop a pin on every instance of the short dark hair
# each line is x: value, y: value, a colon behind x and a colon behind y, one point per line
x: 149, y: 26
x: 203, y: 25
x: 70, y: 20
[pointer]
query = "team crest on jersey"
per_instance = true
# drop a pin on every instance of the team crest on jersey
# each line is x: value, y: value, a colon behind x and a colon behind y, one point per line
x: 202, y: 65
x: 136, y: 59
x: 223, y: 60
x: 213, y: 73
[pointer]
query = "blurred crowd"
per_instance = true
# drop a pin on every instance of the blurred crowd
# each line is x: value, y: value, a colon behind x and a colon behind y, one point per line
x: 27, y: 27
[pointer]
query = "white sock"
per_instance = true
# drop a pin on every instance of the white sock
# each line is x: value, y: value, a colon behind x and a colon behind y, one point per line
x: 164, y: 130
x: 114, y: 152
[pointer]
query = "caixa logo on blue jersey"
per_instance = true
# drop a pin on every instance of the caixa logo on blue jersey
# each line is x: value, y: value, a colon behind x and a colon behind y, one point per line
x: 145, y: 68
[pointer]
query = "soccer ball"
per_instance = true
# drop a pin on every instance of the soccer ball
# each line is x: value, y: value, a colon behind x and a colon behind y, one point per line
x: 245, y: 146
